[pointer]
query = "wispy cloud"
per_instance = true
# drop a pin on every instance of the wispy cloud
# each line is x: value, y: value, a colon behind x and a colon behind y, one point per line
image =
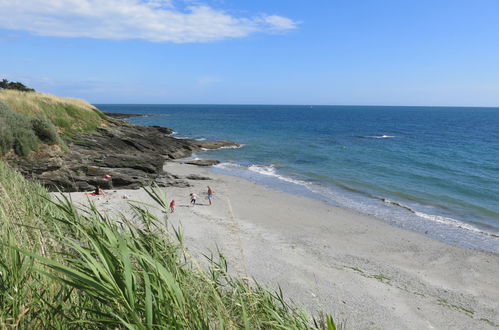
x: 153, y: 20
x: 208, y: 80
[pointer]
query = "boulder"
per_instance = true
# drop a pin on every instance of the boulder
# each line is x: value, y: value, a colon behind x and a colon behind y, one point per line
x: 203, y: 162
x: 197, y: 177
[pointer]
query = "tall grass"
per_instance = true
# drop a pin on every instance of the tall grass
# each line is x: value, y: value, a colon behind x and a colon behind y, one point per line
x: 69, y: 115
x: 66, y: 268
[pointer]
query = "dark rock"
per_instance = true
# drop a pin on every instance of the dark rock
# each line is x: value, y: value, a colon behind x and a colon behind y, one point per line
x: 197, y: 177
x: 203, y: 162
x: 128, y: 115
x: 132, y: 155
x: 214, y: 144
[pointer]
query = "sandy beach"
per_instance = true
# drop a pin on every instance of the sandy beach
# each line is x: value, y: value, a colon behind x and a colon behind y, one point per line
x: 365, y: 272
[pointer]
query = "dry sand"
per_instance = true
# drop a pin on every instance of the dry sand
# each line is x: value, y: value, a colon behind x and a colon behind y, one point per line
x: 367, y: 273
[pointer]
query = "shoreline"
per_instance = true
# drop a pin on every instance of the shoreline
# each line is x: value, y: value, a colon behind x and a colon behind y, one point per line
x: 362, y: 269
x: 473, y: 235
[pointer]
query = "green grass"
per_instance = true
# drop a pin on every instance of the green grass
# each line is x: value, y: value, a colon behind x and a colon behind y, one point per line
x: 23, y: 133
x: 66, y: 268
x: 71, y: 116
x: 444, y: 302
x: 381, y: 278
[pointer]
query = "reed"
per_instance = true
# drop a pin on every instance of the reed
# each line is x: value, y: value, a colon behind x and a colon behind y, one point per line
x: 63, y: 267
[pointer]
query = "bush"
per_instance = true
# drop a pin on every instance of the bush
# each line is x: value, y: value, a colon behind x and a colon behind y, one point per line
x: 6, y: 139
x: 45, y: 130
x: 23, y: 133
x: 25, y: 140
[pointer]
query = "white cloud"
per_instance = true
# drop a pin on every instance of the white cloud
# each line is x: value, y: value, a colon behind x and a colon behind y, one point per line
x: 153, y: 20
x: 279, y: 23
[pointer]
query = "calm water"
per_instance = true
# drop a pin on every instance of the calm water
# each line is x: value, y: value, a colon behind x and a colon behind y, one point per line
x: 434, y: 170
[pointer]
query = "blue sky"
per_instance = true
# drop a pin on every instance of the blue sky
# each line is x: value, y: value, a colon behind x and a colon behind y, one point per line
x: 369, y: 52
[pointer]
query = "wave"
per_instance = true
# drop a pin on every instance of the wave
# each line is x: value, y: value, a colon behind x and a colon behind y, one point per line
x: 271, y: 171
x: 454, y: 222
x: 437, y: 218
x: 233, y: 147
x: 265, y: 170
x: 376, y: 136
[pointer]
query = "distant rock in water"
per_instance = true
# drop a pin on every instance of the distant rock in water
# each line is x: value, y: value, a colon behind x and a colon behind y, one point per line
x: 116, y: 155
x: 203, y: 162
x: 214, y: 144
x: 128, y: 115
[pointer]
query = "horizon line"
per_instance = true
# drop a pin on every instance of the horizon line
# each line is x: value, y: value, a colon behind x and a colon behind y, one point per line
x: 307, y: 105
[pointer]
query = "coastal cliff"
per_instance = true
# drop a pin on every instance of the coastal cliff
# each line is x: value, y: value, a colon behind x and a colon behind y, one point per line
x: 111, y: 154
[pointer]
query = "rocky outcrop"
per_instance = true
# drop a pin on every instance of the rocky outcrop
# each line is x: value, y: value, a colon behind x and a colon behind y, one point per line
x: 128, y: 115
x: 203, y: 162
x: 116, y: 155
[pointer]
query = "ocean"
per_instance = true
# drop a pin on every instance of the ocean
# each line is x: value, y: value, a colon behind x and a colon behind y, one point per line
x: 433, y: 170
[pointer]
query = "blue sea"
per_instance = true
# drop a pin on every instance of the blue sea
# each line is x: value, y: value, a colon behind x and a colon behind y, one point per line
x: 433, y: 170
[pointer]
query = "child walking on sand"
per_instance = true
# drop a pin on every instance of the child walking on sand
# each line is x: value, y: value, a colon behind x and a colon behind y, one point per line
x: 172, y: 206
x: 194, y: 197
x: 210, y: 194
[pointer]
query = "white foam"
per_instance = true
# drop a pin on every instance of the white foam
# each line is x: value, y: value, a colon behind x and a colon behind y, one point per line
x: 382, y: 136
x: 232, y: 147
x: 263, y: 169
x: 270, y: 170
x: 228, y: 166
x: 450, y: 221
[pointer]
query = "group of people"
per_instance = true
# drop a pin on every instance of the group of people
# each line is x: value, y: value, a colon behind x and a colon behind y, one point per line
x: 194, y: 198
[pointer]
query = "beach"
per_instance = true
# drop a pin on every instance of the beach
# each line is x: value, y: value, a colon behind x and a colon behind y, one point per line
x: 366, y: 273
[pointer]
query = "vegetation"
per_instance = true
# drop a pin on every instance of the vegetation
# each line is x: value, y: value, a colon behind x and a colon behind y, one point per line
x: 64, y: 268
x: 70, y: 116
x: 22, y: 133
x: 5, y: 84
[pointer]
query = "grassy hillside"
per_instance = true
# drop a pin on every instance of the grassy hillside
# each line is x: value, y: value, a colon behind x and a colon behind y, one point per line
x: 23, y: 134
x: 68, y: 115
x: 29, y: 119
x: 62, y: 269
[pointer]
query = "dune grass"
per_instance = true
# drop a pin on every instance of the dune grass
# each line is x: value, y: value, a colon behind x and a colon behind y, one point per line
x: 69, y: 115
x: 66, y: 268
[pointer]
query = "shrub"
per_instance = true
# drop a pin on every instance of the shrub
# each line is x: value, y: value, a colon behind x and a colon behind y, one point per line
x: 23, y: 133
x: 45, y: 130
x: 6, y: 139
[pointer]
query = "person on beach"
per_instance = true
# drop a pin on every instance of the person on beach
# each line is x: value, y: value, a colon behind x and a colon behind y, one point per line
x: 98, y: 191
x: 210, y: 194
x: 194, y: 197
x: 172, y: 206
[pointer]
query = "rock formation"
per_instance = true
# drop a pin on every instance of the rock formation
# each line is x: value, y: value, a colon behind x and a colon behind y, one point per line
x: 117, y: 155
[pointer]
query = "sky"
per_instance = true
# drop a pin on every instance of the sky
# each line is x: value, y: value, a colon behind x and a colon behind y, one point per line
x: 334, y: 52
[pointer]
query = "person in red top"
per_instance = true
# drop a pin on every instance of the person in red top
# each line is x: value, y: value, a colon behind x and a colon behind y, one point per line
x: 172, y: 206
